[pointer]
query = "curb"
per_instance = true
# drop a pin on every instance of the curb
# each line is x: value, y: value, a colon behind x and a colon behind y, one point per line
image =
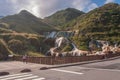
x: 84, y: 62
x: 4, y: 73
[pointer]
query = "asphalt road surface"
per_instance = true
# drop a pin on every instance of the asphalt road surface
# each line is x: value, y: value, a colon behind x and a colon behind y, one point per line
x: 107, y: 70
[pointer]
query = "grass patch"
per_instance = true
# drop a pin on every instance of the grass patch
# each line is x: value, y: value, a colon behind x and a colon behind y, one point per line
x: 36, y: 54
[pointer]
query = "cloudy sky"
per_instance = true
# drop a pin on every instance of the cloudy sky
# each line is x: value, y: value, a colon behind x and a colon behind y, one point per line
x: 43, y: 8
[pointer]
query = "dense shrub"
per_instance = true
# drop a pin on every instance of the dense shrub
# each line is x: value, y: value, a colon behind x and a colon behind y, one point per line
x: 17, y: 46
x: 4, y: 50
x: 34, y: 42
x: 81, y: 42
x: 67, y: 48
x: 18, y: 36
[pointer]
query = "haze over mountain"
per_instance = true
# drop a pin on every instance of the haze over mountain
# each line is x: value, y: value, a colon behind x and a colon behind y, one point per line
x: 1, y: 17
x: 26, y: 22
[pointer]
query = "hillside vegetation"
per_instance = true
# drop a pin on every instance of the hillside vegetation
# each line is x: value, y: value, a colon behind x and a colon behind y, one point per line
x: 63, y: 16
x: 102, y: 23
x: 15, y: 43
x: 26, y: 22
x: 16, y: 31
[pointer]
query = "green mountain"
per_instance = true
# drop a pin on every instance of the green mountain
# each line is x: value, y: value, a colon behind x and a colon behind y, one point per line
x: 26, y: 22
x: 102, y: 23
x: 63, y: 16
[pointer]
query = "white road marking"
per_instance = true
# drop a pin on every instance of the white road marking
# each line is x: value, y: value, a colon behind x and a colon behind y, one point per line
x: 39, y: 79
x: 16, y: 77
x: 21, y: 76
x: 13, y: 75
x: 27, y: 78
x: 66, y: 71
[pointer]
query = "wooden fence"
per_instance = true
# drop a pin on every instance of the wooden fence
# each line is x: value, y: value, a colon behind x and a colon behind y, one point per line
x: 64, y: 60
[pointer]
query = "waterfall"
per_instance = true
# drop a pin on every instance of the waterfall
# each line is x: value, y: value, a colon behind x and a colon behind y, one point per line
x: 61, y: 40
x: 51, y: 35
x: 116, y: 44
x: 55, y: 34
x: 74, y: 46
x: 58, y: 42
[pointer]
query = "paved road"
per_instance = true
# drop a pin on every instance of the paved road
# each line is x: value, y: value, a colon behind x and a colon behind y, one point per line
x: 10, y: 65
x: 107, y: 70
x: 111, y: 64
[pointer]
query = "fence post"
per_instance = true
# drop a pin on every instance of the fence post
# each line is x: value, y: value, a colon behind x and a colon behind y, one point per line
x: 52, y: 60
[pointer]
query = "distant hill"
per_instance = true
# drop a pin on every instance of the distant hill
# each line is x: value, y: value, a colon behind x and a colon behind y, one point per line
x: 1, y: 17
x: 63, y: 16
x: 26, y: 22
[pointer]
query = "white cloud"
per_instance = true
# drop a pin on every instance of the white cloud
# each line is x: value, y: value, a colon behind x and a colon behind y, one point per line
x: 81, y: 4
x: 40, y: 8
x: 92, y: 6
x: 43, y: 8
x: 108, y: 1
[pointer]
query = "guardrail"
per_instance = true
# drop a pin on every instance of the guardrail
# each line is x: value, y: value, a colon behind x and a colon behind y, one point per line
x: 64, y: 60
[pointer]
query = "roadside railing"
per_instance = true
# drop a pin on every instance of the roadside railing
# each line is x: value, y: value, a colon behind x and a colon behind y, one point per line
x: 64, y: 60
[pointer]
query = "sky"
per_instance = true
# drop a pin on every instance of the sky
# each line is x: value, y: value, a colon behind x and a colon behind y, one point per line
x: 44, y: 8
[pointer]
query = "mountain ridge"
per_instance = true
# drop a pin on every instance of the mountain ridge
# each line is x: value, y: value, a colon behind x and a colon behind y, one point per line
x: 63, y: 16
x: 26, y: 22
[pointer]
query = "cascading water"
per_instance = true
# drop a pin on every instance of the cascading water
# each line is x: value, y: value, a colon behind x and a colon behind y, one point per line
x: 58, y: 43
x: 74, y: 46
x: 55, y: 34
x: 51, y: 35
x: 61, y: 39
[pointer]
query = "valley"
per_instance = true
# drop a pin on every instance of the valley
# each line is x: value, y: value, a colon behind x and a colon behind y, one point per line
x: 68, y: 32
